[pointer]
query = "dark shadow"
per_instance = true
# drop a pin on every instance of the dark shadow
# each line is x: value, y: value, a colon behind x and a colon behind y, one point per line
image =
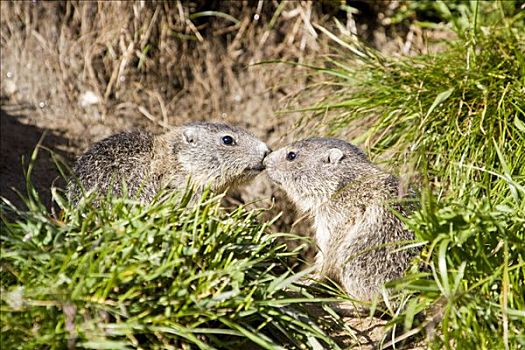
x: 17, y: 142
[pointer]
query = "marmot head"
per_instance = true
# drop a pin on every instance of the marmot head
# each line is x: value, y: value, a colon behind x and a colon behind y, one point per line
x: 217, y: 154
x: 312, y: 170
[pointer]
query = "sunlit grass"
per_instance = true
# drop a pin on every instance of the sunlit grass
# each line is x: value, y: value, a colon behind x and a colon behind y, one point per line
x: 457, y: 119
x: 173, y: 274
x: 119, y: 274
x: 454, y: 111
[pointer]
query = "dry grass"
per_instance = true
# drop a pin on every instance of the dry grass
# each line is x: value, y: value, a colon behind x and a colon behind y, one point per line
x: 162, y: 62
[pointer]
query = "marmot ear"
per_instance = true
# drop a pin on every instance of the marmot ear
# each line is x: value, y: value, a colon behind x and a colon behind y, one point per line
x: 334, y: 155
x: 189, y: 134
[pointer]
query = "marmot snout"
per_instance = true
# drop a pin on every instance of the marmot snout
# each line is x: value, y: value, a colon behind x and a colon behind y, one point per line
x: 351, y: 202
x: 214, y: 154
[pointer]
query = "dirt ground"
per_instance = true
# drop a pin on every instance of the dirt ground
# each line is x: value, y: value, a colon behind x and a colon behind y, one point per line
x: 72, y: 73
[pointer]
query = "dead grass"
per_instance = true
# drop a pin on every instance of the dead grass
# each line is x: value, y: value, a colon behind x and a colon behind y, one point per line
x: 152, y: 65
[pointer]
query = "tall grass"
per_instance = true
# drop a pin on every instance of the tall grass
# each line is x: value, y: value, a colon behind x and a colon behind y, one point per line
x: 121, y: 275
x: 456, y: 117
x: 455, y: 110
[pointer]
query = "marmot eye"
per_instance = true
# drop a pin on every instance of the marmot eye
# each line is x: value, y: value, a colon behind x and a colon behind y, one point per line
x: 291, y: 156
x: 228, y: 140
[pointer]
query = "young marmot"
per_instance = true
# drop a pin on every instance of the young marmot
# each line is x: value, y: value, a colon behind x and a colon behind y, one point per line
x: 350, y: 199
x: 213, y: 154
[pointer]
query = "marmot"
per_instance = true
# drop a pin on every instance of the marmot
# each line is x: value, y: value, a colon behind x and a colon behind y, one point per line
x: 350, y: 199
x: 214, y: 154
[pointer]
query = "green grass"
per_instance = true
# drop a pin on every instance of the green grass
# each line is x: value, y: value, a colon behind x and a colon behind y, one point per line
x: 472, y: 291
x: 169, y: 275
x: 457, y: 119
x: 456, y: 110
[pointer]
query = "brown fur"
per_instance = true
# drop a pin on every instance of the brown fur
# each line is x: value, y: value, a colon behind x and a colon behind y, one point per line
x: 144, y: 163
x: 350, y: 200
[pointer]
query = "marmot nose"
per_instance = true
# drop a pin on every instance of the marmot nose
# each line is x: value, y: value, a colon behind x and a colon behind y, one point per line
x: 265, y: 161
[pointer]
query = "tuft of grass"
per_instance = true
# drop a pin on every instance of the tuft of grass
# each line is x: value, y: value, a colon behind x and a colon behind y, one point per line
x: 169, y: 275
x: 458, y: 118
x: 455, y: 111
x: 470, y: 289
